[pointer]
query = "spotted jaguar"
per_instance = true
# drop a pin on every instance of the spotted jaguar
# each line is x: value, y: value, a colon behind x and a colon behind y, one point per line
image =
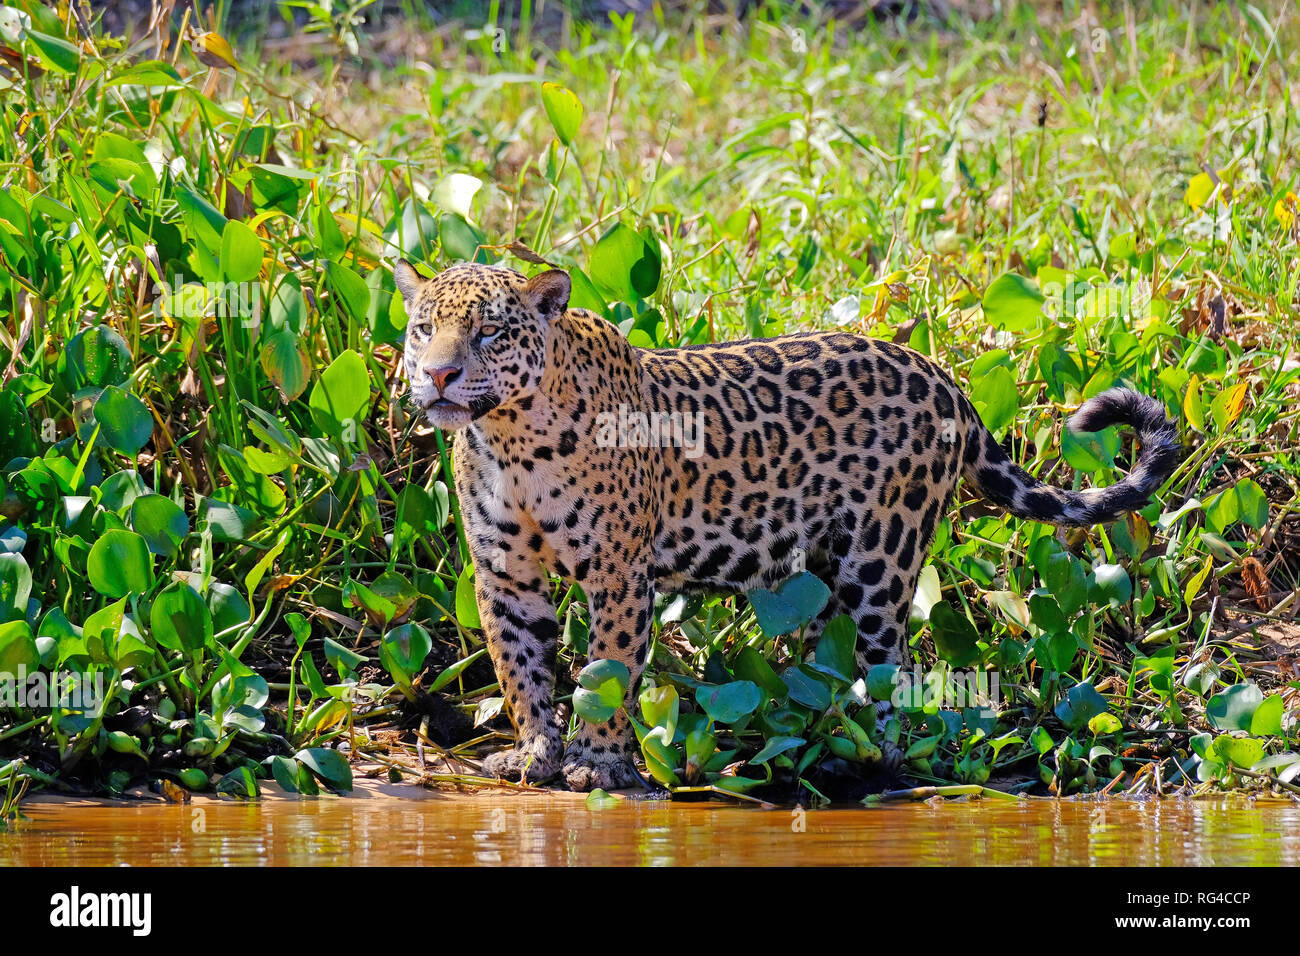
x: 717, y: 467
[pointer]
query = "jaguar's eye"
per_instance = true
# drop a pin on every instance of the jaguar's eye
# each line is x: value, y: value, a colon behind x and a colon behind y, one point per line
x: 424, y: 330
x: 487, y: 333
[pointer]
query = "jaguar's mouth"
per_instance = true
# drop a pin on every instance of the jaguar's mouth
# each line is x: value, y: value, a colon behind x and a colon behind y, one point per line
x: 446, y: 414
x: 445, y: 405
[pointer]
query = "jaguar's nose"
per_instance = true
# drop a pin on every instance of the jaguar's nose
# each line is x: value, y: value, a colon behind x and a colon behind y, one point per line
x: 442, y: 377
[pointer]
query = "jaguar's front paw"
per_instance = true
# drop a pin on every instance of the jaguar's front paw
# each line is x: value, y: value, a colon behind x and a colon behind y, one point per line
x: 586, y: 770
x: 530, y: 762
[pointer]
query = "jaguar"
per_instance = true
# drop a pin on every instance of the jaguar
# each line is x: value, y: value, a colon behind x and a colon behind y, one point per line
x: 717, y: 467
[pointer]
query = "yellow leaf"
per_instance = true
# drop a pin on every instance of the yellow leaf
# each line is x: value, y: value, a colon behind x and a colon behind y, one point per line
x: 213, y: 50
x: 1198, y: 190
x: 1193, y: 410
x: 1236, y: 401
x: 1194, y: 585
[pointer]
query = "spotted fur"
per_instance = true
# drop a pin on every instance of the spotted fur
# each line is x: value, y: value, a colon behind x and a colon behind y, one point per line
x: 831, y: 450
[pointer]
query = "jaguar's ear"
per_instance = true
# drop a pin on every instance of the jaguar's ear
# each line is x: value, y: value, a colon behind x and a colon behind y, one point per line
x: 408, y: 280
x: 549, y: 293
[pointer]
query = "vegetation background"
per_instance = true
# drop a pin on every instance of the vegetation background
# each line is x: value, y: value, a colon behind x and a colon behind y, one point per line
x: 214, y: 497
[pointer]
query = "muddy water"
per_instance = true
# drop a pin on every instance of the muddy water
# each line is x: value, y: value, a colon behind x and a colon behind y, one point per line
x: 497, y: 829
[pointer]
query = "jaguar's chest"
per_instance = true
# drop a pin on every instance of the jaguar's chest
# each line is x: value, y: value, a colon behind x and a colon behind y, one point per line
x: 547, y: 507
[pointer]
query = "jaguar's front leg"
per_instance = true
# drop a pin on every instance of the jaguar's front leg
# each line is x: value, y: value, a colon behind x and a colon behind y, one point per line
x: 519, y: 621
x: 601, y: 755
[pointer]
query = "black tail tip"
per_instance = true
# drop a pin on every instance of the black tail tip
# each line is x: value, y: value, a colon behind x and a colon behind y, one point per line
x: 1123, y: 406
x: 1161, y: 450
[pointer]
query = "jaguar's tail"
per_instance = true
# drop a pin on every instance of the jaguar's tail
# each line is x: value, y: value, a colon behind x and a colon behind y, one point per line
x: 1005, y: 483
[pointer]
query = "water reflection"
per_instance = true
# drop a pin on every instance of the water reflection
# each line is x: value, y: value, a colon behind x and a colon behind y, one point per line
x: 500, y: 829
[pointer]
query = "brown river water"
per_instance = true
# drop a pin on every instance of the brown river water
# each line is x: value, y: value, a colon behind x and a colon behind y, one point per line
x: 494, y: 829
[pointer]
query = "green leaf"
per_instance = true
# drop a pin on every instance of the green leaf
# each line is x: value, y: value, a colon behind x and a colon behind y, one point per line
x: 15, y: 586
x: 120, y: 564
x: 881, y: 681
x: 591, y: 707
x: 660, y: 758
x: 161, y: 522
x: 343, y: 659
x: 180, y: 619
x: 350, y: 290
x: 1090, y: 451
x: 1080, y: 705
x: 466, y: 601
x: 776, y: 746
x: 403, y: 650
x: 240, y: 782
x: 996, y: 398
x: 791, y: 606
x: 600, y: 799
x: 286, y: 364
x: 125, y: 422
x: 564, y: 110
x: 241, y: 252
x: 1267, y: 719
x: 1013, y: 303
x: 608, y: 679
x: 95, y: 358
x: 55, y: 53
x: 340, y: 397
x: 1111, y: 585
x: 1105, y: 723
x: 1055, y: 652
x: 955, y: 637
x: 330, y: 765
x: 17, y: 648
x: 1234, y: 707
x: 750, y: 665
x: 807, y: 688
x: 727, y: 703
x: 1242, y: 752
x: 285, y: 770
x: 1252, y: 503
x: 624, y: 266
x: 660, y: 707
x: 229, y: 608
x: 462, y: 241
x: 835, y: 651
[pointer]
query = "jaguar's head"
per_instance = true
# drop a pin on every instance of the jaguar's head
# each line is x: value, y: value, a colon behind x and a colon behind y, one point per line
x: 476, y: 337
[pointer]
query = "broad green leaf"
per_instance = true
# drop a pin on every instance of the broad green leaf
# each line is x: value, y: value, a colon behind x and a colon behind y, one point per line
x: 161, y: 522
x: 623, y: 265
x: 996, y: 398
x: 241, y: 252
x: 727, y: 703
x: 1234, y: 707
x: 791, y: 606
x: 403, y: 650
x: 17, y: 648
x: 120, y: 564
x: 564, y: 110
x: 776, y: 746
x: 341, y: 396
x: 466, y: 601
x: 955, y: 637
x: 330, y: 765
x: 1080, y: 705
x: 286, y: 364
x: 836, y: 647
x: 1012, y: 303
x: 180, y: 619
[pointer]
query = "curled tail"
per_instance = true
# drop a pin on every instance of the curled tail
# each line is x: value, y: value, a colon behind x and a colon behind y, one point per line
x: 1005, y: 483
